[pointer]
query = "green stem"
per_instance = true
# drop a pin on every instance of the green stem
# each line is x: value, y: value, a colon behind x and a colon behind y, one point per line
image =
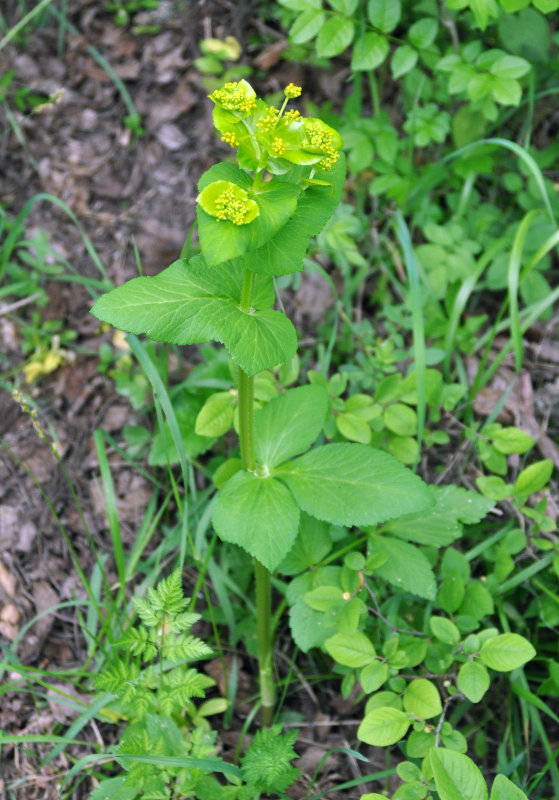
x: 265, y: 649
x: 262, y: 575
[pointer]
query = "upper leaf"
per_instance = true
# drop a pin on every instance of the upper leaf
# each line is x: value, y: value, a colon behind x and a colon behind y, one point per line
x: 284, y: 252
x: 353, y: 484
x: 222, y: 239
x: 190, y: 302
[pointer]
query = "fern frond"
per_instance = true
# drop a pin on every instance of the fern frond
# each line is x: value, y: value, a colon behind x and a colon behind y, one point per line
x: 119, y: 679
x: 168, y: 595
x: 183, y: 647
x: 183, y: 622
x: 150, y: 617
x: 139, y: 642
x: 266, y: 765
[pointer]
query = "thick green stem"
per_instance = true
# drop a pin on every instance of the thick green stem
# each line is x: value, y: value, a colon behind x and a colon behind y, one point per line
x: 262, y: 575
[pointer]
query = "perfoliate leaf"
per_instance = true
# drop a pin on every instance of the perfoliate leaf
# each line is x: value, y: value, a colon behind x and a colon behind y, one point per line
x: 456, y: 776
x: 506, y: 652
x: 259, y: 514
x: 221, y: 239
x: 189, y: 303
x: 384, y: 726
x: 284, y: 252
x: 353, y: 484
x: 289, y: 424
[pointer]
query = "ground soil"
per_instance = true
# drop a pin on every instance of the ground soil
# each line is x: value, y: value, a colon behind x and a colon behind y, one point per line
x: 130, y: 195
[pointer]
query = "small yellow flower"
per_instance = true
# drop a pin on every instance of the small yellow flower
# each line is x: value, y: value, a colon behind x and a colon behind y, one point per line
x: 231, y: 139
x: 291, y: 91
x: 269, y: 120
x: 278, y: 146
x: 292, y: 115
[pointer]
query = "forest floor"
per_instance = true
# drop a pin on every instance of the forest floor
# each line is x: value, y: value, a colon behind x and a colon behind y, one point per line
x: 129, y: 194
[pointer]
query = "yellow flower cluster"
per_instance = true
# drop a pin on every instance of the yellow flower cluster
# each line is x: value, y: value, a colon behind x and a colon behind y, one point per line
x: 316, y: 138
x: 292, y: 115
x: 231, y: 208
x: 291, y: 91
x: 231, y: 139
x: 233, y: 98
x: 278, y: 146
x: 269, y: 120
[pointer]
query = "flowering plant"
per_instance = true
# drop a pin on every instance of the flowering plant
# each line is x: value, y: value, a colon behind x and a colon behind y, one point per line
x: 255, y: 220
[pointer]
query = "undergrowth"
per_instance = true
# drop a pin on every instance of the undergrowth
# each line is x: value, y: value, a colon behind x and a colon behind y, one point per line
x: 354, y: 495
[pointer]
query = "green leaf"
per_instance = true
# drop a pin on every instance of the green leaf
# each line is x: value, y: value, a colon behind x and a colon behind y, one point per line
x: 506, y: 652
x: 369, y: 52
x: 510, y: 67
x: 335, y: 35
x: 312, y: 544
x: 321, y: 598
x: 506, y: 91
x: 440, y: 525
x: 423, y: 32
x: 404, y: 566
x: 289, y: 424
x: 222, y: 240
x: 422, y: 699
x: 511, y: 440
x: 546, y: 6
x: 504, y: 789
x: 384, y: 14
x: 456, y: 776
x: 306, y: 26
x: 284, y: 252
x: 354, y: 428
x: 115, y: 789
x: 383, y: 726
x: 444, y: 630
x: 163, y: 449
x: 352, y: 484
x: 400, y: 419
x: 259, y: 514
x: 189, y: 303
x: 473, y: 680
x: 351, y: 649
x: 403, y: 61
x: 533, y: 478
x: 477, y: 602
x: 216, y: 415
x: 451, y: 592
x: 373, y: 676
